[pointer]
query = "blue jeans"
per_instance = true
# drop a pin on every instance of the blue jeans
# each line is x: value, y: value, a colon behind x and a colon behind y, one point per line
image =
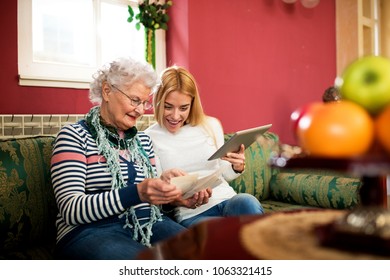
x: 108, y: 240
x: 240, y: 204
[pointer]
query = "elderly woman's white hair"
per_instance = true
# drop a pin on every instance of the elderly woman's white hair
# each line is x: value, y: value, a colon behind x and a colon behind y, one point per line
x: 122, y: 71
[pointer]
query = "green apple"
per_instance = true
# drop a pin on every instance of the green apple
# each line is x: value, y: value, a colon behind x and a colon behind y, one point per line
x: 366, y: 82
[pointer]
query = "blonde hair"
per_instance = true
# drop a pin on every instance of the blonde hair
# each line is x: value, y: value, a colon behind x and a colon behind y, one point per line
x: 176, y: 78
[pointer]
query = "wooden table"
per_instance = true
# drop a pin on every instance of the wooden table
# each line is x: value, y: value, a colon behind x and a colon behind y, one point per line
x: 282, y: 235
x: 216, y: 239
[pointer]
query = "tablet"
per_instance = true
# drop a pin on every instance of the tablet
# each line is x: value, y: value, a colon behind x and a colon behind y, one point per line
x: 246, y: 137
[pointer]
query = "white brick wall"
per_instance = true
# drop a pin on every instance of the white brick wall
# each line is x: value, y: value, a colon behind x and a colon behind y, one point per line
x: 16, y: 125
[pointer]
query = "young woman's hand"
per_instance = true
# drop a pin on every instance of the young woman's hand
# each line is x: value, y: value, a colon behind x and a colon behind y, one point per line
x: 237, y: 159
x: 196, y: 200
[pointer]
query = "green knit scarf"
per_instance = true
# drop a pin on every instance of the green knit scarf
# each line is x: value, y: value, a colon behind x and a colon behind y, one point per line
x: 109, y: 144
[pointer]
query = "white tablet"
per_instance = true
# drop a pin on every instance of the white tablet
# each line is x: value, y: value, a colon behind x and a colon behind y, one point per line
x: 246, y: 137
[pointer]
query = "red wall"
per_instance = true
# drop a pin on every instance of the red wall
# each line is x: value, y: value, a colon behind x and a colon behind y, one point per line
x: 17, y: 99
x: 255, y: 61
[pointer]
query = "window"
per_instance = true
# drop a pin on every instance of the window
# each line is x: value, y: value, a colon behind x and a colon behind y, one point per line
x: 61, y: 43
x: 358, y: 30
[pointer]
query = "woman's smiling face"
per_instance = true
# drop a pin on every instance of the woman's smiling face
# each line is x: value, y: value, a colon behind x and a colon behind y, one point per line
x: 177, y: 108
x: 117, y: 109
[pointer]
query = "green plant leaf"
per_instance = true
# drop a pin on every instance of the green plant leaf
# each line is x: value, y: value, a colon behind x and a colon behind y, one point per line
x: 164, y: 26
x: 165, y: 18
x: 131, y: 11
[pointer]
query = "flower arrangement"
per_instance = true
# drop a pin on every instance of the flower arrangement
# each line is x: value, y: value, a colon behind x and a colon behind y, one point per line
x: 152, y: 15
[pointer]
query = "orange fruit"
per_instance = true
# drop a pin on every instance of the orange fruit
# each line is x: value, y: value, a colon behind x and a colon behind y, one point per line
x: 336, y: 129
x: 298, y: 113
x: 382, y: 128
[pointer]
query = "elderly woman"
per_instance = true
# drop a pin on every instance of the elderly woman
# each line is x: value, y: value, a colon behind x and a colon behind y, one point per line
x: 103, y: 172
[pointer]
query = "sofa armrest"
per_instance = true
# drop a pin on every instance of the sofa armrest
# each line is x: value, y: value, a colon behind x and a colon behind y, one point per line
x: 27, y: 204
x: 312, y: 188
x: 258, y: 173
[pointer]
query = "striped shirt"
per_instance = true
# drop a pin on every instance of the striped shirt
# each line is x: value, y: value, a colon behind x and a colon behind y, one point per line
x: 82, y: 182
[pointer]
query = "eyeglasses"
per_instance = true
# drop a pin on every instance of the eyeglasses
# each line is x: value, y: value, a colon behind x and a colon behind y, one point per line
x: 135, y: 101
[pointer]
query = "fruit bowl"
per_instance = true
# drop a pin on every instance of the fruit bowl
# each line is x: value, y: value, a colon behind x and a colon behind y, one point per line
x: 356, y: 125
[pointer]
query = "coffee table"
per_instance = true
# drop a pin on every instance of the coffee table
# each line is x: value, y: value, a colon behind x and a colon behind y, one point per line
x: 279, y: 235
x: 216, y: 239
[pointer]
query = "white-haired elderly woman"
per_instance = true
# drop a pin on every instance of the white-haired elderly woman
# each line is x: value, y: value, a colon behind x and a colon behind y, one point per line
x: 103, y: 172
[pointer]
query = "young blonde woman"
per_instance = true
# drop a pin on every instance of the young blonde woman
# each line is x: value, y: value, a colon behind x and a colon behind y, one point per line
x: 184, y: 138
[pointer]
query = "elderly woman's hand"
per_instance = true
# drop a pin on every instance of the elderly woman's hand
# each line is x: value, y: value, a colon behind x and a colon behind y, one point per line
x: 237, y: 159
x: 170, y: 173
x: 156, y: 191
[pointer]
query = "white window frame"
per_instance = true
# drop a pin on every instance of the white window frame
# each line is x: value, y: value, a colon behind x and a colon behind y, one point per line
x: 33, y: 73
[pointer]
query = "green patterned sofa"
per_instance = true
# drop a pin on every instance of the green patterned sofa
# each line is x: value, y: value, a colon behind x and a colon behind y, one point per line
x: 27, y: 204
x: 28, y: 209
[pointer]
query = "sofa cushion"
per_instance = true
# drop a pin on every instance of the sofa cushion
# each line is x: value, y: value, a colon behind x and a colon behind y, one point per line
x: 27, y: 204
x: 270, y: 206
x: 255, y: 179
x: 313, y: 188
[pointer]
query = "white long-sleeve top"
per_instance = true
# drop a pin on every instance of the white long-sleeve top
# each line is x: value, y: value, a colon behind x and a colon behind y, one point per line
x: 188, y: 149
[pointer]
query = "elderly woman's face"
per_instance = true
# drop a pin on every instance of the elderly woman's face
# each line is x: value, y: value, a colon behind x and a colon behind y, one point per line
x: 119, y: 107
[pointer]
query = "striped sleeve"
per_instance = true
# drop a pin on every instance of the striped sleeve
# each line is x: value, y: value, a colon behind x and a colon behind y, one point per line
x: 146, y: 143
x: 82, y: 185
